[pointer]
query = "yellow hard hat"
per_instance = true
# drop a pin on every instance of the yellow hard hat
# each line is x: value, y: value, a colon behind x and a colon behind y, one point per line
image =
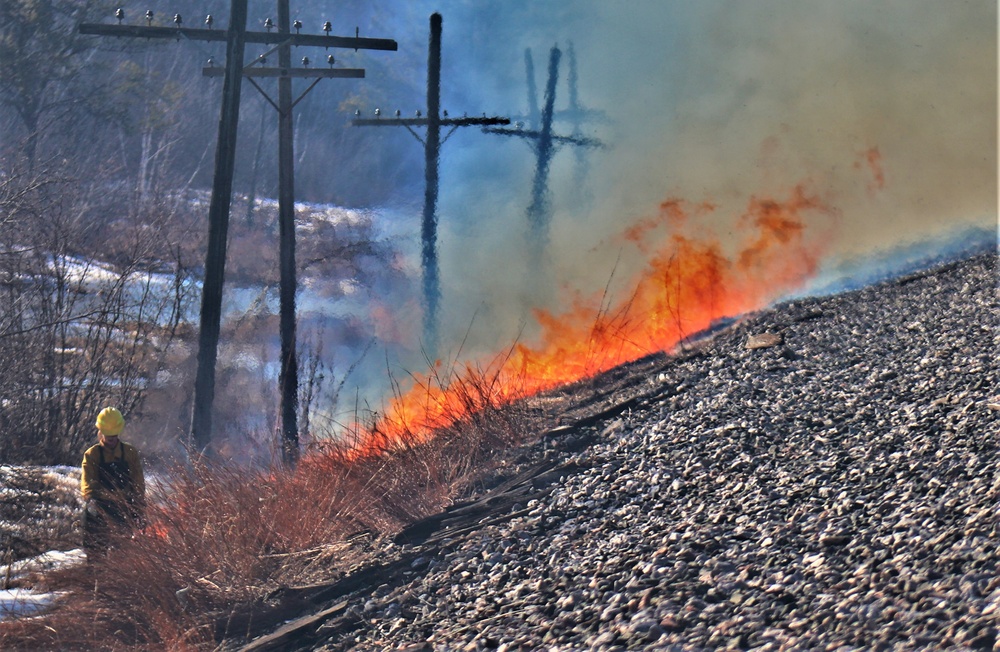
x: 110, y: 422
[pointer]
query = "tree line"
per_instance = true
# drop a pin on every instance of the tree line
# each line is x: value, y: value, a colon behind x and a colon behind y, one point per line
x: 145, y: 108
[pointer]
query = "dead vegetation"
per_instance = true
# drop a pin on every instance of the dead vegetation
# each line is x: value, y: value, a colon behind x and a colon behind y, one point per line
x: 37, y: 514
x: 222, y: 540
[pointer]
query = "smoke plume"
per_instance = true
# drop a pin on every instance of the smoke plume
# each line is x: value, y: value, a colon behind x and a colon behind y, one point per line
x: 886, y: 112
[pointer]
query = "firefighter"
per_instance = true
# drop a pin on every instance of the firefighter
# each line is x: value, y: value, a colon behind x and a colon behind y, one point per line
x: 112, y: 485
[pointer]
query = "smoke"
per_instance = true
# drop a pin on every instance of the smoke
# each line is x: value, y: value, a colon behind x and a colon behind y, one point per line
x: 888, y: 112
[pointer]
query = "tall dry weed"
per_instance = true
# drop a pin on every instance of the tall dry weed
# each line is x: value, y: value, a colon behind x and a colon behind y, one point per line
x: 221, y: 536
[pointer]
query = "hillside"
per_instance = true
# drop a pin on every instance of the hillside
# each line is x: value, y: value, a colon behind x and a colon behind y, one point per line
x: 821, y: 475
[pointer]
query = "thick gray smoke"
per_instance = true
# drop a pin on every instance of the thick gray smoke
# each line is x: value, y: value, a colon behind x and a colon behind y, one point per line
x: 885, y: 111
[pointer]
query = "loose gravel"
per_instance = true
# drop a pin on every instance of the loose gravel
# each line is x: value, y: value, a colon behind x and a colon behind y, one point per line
x: 822, y: 475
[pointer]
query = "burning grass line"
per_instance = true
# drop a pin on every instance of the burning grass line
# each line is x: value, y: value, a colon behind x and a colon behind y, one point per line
x: 604, y: 306
x: 225, y: 537
x: 239, y: 553
x: 686, y: 285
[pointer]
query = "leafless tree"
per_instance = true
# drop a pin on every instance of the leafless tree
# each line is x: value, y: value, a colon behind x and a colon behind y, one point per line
x: 76, y: 333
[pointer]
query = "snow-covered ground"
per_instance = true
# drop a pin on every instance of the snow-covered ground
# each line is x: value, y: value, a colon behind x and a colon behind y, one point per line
x: 25, y: 600
x: 39, y: 531
x: 39, y: 508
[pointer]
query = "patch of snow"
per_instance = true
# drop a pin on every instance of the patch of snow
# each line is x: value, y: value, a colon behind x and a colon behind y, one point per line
x: 16, y: 603
x: 43, y: 563
x: 9, y: 493
x: 349, y: 286
x: 63, y: 475
x: 84, y: 271
x: 22, y: 601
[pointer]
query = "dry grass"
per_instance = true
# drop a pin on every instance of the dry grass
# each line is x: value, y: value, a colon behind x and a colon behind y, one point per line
x: 222, y: 537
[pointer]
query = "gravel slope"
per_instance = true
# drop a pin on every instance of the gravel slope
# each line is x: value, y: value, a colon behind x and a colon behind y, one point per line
x: 822, y: 475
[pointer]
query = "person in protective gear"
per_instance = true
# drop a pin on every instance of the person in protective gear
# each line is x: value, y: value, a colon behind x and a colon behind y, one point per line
x: 112, y: 484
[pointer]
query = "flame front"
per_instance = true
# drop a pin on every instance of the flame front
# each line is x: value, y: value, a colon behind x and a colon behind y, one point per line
x: 690, y: 281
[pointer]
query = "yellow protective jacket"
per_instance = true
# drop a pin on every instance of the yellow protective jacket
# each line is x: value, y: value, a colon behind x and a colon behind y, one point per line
x: 90, y: 484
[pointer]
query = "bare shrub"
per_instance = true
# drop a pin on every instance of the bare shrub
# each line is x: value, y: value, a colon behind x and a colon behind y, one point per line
x: 74, y: 333
x: 37, y: 515
x: 422, y: 460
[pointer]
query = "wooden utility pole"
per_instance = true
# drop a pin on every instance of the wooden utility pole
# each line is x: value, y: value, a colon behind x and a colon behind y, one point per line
x: 236, y: 38
x: 432, y: 147
x: 288, y: 378
x: 577, y: 114
x: 218, y: 227
x: 545, y: 142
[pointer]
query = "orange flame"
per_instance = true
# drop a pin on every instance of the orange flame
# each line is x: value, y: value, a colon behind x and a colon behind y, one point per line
x: 673, y: 213
x: 157, y: 530
x: 688, y: 283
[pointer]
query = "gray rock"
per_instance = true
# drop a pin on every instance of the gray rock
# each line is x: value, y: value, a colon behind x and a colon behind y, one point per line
x: 833, y: 489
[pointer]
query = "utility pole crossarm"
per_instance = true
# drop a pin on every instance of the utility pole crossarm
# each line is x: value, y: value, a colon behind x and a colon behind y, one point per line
x: 268, y: 38
x: 423, y: 122
x: 582, y: 141
x: 350, y: 73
